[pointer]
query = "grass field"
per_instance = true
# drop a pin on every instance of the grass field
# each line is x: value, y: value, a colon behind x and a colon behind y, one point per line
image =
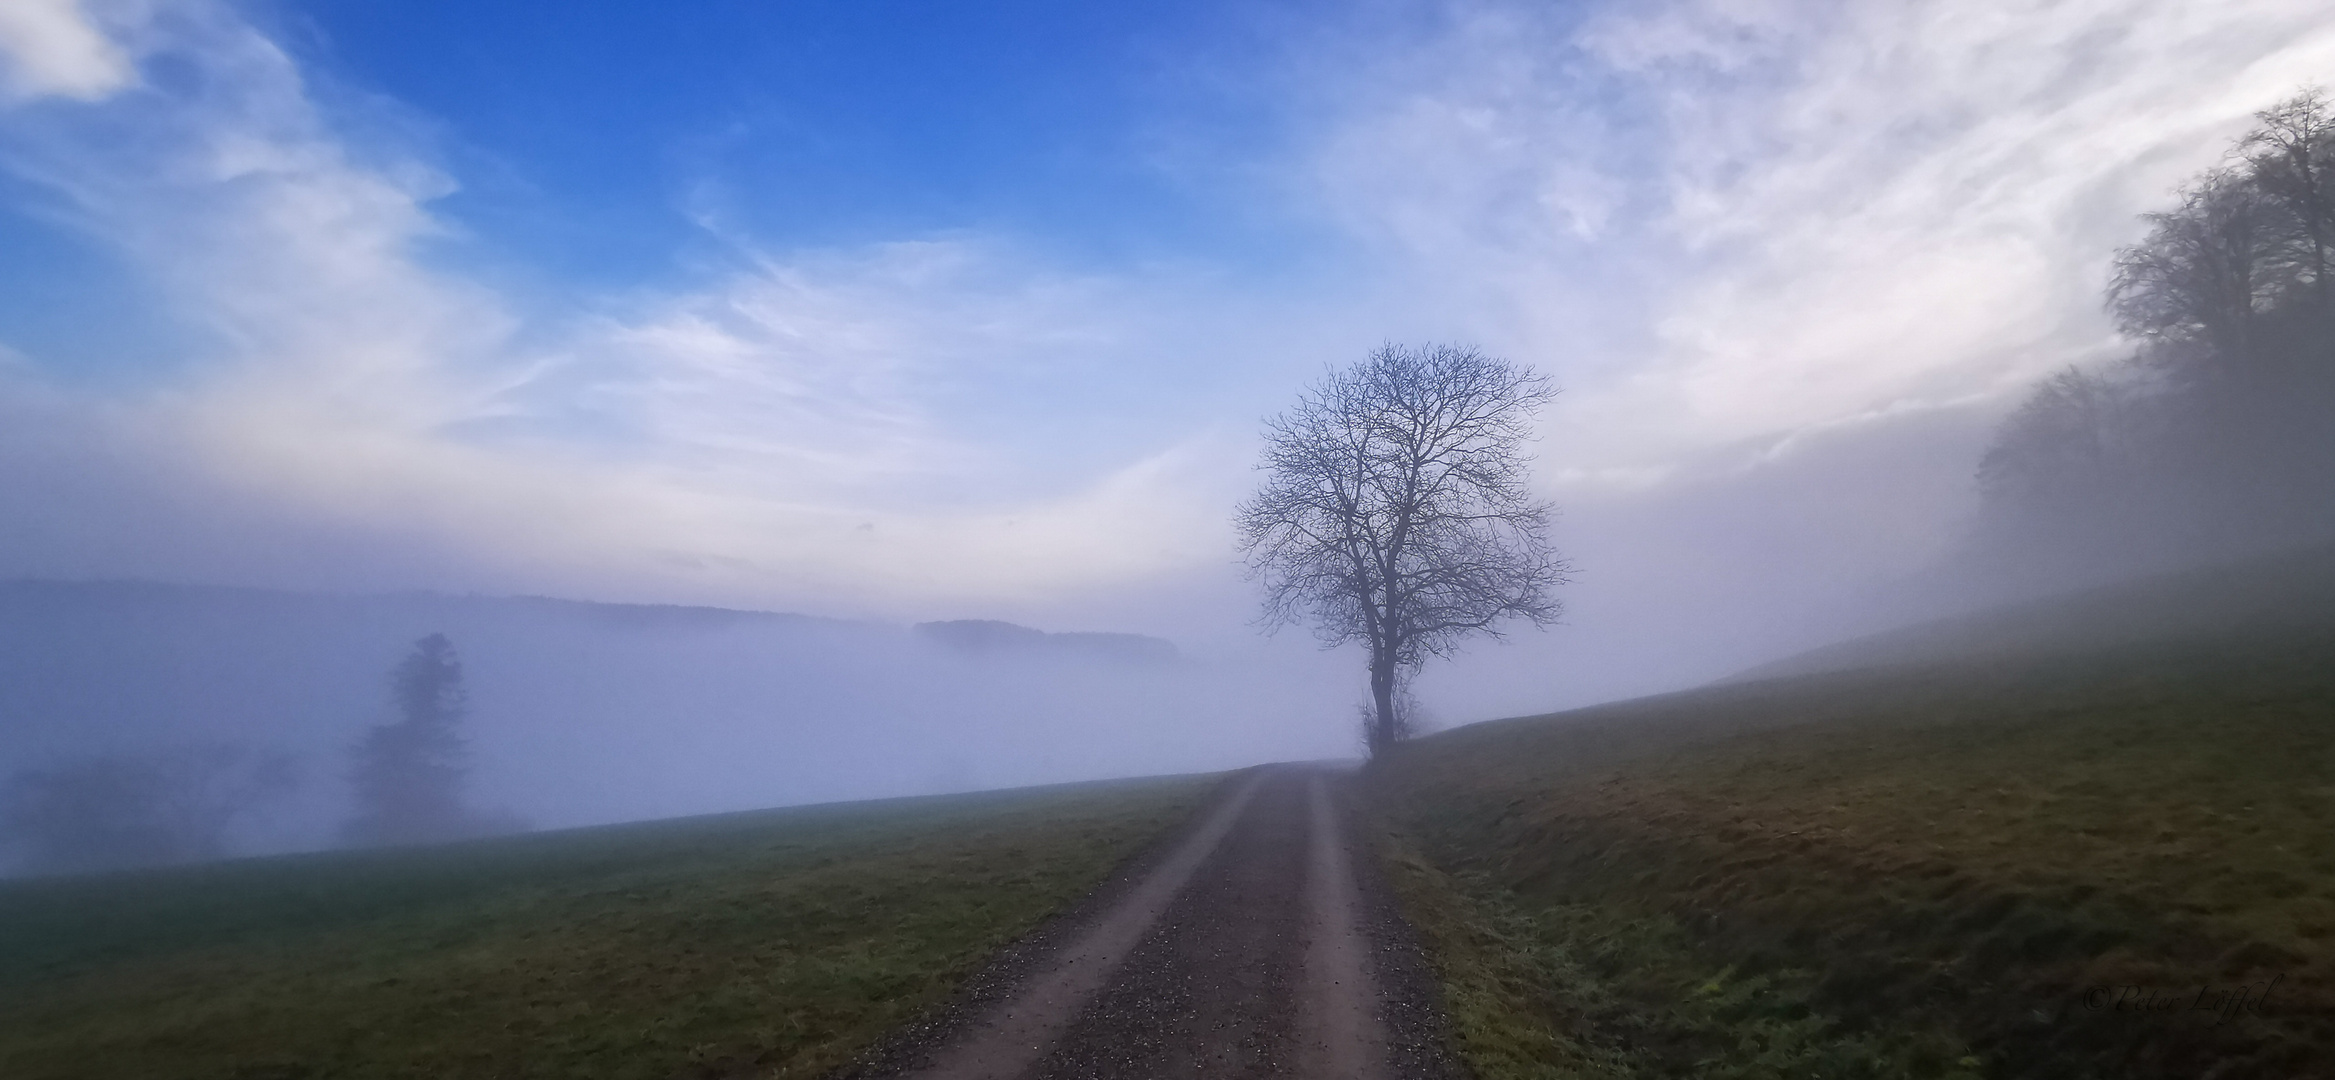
x: 2115, y: 863
x: 776, y: 943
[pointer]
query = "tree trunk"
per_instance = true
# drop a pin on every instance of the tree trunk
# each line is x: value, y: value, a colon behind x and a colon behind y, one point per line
x: 2319, y: 268
x: 1382, y: 697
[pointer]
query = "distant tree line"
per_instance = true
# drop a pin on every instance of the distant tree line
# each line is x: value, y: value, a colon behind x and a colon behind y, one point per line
x: 2216, y: 436
x: 184, y: 803
x: 110, y: 811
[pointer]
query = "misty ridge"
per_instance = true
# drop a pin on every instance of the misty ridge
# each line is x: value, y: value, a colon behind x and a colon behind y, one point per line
x: 206, y: 721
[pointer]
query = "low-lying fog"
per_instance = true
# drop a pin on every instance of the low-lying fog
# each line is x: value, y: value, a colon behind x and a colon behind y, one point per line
x: 590, y: 713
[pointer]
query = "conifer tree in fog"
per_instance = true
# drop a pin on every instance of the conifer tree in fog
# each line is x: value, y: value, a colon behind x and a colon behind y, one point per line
x: 409, y: 772
x: 1395, y: 512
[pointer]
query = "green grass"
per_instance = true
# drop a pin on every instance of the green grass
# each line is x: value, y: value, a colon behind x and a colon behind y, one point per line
x: 776, y: 943
x: 1892, y: 873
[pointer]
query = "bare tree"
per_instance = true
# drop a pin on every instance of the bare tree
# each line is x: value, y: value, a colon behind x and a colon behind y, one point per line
x: 2072, y: 433
x: 2292, y: 159
x: 1395, y: 512
x: 2206, y: 270
x: 2067, y: 471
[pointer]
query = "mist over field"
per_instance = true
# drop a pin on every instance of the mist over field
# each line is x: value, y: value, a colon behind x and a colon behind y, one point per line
x: 583, y: 714
x: 677, y: 367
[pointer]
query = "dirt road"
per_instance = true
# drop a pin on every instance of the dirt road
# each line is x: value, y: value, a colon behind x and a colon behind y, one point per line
x: 1257, y: 943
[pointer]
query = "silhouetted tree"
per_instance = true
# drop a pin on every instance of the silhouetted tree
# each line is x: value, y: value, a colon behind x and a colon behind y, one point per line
x: 2069, y: 443
x: 1395, y: 512
x: 2291, y: 158
x: 2205, y: 271
x: 119, y: 810
x: 409, y: 772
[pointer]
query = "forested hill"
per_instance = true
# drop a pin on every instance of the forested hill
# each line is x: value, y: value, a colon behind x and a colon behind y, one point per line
x: 2215, y: 437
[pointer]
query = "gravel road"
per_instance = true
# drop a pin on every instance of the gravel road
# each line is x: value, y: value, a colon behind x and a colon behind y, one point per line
x: 1258, y: 942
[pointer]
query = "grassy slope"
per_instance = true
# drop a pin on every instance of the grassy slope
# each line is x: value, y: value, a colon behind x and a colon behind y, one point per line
x: 2266, y: 597
x: 1899, y: 872
x: 767, y: 944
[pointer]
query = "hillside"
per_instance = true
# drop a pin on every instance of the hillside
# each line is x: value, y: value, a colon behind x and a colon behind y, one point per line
x: 1999, y: 850
x: 2286, y: 592
x: 777, y: 943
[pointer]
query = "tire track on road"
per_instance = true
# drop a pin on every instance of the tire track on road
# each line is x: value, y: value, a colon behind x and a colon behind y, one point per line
x: 1013, y: 1037
x: 1258, y: 947
x: 1340, y: 1033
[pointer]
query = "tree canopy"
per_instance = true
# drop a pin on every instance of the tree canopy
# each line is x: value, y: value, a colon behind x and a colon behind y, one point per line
x: 1395, y: 512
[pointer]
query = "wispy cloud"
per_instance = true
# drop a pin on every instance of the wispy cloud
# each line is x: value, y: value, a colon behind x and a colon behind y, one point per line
x: 54, y: 47
x: 1728, y: 219
x: 788, y: 430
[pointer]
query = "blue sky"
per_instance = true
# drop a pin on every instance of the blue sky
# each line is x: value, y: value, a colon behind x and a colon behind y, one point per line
x: 600, y: 134
x: 916, y: 310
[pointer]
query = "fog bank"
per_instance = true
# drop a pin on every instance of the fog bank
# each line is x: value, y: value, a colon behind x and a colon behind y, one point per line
x: 583, y: 713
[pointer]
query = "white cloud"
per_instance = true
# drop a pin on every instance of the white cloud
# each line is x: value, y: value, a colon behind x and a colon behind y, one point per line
x: 1721, y: 219
x: 840, y: 371
x: 53, y: 47
x: 1915, y: 202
